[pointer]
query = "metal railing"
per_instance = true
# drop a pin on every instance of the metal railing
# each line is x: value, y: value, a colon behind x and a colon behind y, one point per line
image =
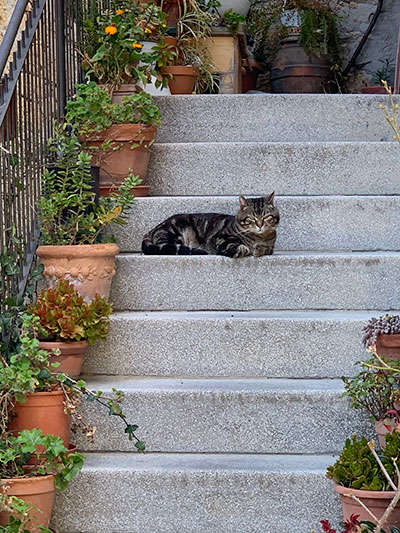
x: 39, y: 67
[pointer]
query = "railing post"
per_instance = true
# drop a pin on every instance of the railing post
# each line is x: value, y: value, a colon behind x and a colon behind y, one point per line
x: 61, y: 72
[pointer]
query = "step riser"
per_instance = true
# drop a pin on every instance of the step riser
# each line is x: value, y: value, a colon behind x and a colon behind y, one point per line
x: 291, y: 169
x: 195, y: 502
x: 273, y: 282
x: 318, y: 223
x: 272, y: 118
x: 296, y: 347
x: 233, y: 421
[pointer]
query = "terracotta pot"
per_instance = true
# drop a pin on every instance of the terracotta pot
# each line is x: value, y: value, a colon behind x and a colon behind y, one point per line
x: 38, y: 490
x: 383, y: 427
x: 293, y: 71
x: 71, y: 357
x: 139, y: 190
x: 376, y: 89
x: 115, y: 164
x: 89, y: 267
x: 125, y: 89
x: 184, y: 78
x: 45, y: 411
x: 388, y: 345
x: 377, y: 501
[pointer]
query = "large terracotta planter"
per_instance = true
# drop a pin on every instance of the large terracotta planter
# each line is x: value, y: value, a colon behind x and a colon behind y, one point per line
x: 39, y: 491
x: 377, y: 501
x: 293, y: 71
x: 89, y: 267
x: 116, y: 162
x: 72, y: 355
x: 183, y: 80
x: 388, y: 345
x: 45, y: 411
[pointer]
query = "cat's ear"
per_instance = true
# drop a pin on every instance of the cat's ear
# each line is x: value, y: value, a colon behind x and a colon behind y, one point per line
x: 270, y: 199
x: 243, y: 202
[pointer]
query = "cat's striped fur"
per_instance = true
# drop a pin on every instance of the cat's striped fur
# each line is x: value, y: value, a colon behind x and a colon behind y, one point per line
x: 252, y: 231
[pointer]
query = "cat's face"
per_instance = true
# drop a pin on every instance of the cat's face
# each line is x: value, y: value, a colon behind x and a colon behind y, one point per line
x: 258, y: 216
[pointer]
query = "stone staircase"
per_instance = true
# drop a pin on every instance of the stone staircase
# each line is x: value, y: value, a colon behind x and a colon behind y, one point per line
x: 231, y: 368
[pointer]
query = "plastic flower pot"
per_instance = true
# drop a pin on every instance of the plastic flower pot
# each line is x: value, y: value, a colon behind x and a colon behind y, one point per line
x: 37, y: 490
x: 89, y: 267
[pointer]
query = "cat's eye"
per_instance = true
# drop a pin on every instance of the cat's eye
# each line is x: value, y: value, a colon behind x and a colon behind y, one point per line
x: 247, y: 221
x: 269, y: 218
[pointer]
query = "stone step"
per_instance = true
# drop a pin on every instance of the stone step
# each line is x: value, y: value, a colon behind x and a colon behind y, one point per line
x: 179, y: 493
x: 275, y: 344
x: 273, y: 117
x: 307, y: 223
x: 358, y: 281
x: 286, y: 416
x: 289, y: 168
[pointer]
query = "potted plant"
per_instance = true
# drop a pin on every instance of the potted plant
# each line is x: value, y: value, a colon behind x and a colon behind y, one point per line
x: 54, y: 467
x: 192, y: 64
x: 118, y: 136
x: 380, y: 76
x: 359, y: 478
x: 383, y: 334
x: 68, y: 324
x: 34, y: 395
x: 72, y: 222
x: 376, y: 388
x: 123, y: 61
x: 303, y: 39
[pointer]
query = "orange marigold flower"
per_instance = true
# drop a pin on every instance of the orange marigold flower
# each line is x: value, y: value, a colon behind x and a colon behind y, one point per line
x: 120, y: 11
x: 111, y: 29
x: 137, y: 45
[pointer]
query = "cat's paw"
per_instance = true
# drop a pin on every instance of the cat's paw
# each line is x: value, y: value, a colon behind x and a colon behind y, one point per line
x: 241, y: 251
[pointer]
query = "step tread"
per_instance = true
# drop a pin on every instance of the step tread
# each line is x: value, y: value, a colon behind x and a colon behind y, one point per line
x: 265, y: 386
x: 190, y: 462
x: 300, y: 315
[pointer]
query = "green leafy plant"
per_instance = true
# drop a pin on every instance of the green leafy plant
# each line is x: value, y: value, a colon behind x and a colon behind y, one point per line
x: 69, y: 212
x: 233, y: 20
x: 19, y: 511
x: 375, y: 388
x: 318, y: 28
x: 384, y: 73
x: 64, y: 315
x: 119, y: 57
x: 389, y: 324
x: 52, y: 457
x: 30, y: 371
x: 357, y: 467
x: 353, y: 525
x: 91, y: 109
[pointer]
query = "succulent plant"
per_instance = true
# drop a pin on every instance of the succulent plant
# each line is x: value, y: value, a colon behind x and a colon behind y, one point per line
x: 64, y: 315
x: 376, y: 326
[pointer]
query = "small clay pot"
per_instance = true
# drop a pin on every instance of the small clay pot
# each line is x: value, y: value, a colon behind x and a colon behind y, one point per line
x: 377, y: 501
x: 183, y: 80
x: 116, y: 164
x: 45, y: 411
x: 89, y: 267
x: 37, y: 490
x: 388, y: 345
x: 375, y: 89
x: 72, y: 355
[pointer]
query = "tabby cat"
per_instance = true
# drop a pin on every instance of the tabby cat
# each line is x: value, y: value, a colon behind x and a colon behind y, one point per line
x: 251, y: 232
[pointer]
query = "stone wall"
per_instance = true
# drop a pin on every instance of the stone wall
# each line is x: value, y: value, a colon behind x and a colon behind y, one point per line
x: 382, y: 42
x: 6, y: 8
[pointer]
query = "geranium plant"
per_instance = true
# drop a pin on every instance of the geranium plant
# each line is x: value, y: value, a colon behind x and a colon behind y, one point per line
x: 65, y: 315
x: 353, y: 525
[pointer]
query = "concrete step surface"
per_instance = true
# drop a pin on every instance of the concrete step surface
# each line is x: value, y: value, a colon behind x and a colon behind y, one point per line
x: 358, y: 281
x: 276, y: 416
x: 222, y: 168
x: 179, y: 493
x: 307, y: 223
x: 277, y: 344
x: 272, y: 118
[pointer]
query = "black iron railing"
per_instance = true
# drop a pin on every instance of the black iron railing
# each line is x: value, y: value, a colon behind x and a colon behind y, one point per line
x: 39, y: 67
